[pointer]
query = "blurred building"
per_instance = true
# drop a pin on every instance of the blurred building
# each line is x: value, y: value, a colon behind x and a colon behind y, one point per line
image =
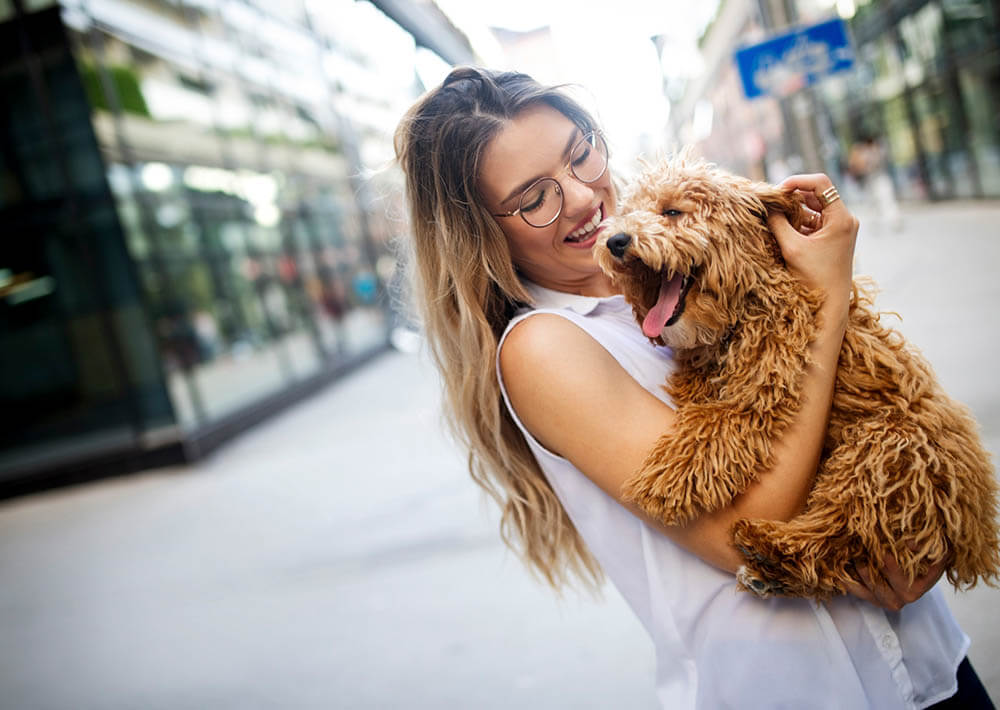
x: 926, y: 85
x: 711, y: 111
x: 195, y: 216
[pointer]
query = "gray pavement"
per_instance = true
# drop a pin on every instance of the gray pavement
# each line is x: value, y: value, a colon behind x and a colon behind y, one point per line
x: 338, y: 556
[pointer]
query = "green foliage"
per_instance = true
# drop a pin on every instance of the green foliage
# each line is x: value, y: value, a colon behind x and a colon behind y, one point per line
x: 125, y: 83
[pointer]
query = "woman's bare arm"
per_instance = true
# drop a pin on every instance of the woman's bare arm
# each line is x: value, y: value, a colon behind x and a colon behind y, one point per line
x: 576, y: 399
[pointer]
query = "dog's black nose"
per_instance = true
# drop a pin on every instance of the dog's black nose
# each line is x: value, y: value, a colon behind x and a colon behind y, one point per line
x: 618, y: 243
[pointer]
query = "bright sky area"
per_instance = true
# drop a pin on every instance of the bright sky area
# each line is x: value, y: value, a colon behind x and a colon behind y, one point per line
x: 606, y: 48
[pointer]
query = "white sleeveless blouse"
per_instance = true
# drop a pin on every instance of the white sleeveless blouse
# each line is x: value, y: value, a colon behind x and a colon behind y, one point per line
x: 718, y: 647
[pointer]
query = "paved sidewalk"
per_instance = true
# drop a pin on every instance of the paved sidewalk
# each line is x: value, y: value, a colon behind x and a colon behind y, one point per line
x: 337, y: 556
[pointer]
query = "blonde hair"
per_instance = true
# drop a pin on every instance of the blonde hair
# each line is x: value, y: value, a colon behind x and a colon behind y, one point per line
x: 466, y: 290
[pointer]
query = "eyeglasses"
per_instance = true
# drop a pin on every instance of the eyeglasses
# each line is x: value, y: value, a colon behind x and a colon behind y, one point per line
x: 542, y: 201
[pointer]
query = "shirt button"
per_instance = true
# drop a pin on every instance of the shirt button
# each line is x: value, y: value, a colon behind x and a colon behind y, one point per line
x: 889, y: 642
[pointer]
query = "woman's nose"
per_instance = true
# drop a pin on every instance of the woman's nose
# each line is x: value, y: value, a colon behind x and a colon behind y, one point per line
x: 577, y: 196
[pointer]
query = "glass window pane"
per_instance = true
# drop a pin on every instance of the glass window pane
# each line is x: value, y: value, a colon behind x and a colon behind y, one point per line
x: 981, y: 96
x: 903, y: 150
x: 224, y: 150
x: 971, y: 25
x: 78, y: 362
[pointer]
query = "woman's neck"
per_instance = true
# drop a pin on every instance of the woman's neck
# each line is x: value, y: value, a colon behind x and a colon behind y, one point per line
x: 596, y: 286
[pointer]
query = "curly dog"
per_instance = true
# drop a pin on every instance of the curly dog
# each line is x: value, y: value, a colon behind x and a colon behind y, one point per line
x: 903, y: 471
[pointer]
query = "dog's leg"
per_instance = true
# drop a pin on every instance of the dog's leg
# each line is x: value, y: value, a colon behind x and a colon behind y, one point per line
x: 729, y: 419
x: 929, y: 485
x: 852, y: 517
x: 712, y: 457
x: 883, y: 492
x: 798, y: 558
x: 815, y: 553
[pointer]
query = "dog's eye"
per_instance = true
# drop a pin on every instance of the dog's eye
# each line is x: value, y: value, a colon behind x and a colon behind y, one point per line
x: 670, y: 212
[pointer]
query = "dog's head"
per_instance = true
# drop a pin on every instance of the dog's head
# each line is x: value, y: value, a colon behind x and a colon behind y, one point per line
x: 690, y: 246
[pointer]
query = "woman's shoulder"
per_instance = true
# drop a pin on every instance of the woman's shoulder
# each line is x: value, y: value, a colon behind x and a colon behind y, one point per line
x: 566, y: 387
x: 550, y: 363
x: 603, y: 341
x: 543, y: 329
x: 556, y: 315
x: 551, y: 346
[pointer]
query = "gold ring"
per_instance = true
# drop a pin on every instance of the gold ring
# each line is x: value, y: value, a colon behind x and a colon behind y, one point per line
x: 829, y: 196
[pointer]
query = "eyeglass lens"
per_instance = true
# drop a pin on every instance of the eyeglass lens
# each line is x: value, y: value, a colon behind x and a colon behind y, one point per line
x: 542, y: 202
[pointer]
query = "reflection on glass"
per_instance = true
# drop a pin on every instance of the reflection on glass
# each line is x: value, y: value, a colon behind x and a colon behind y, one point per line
x: 933, y: 71
x: 903, y: 150
x: 922, y: 43
x: 230, y: 179
x: 971, y: 25
x: 78, y: 368
x: 981, y: 96
x: 202, y: 231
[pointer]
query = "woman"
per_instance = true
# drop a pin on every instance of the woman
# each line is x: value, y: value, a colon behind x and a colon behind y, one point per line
x: 556, y: 393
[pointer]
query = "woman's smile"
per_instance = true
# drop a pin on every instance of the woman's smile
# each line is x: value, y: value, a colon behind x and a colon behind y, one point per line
x: 585, y: 234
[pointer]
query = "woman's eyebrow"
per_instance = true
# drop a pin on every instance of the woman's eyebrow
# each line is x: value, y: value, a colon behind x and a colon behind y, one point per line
x: 524, y: 185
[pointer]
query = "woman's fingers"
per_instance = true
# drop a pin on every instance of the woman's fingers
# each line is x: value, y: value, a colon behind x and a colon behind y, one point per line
x: 881, y: 589
x: 813, y: 188
x: 788, y: 237
x: 875, y: 589
x: 812, y: 220
x: 861, y: 592
x: 816, y: 192
x: 810, y: 200
x: 822, y: 251
x: 890, y: 588
x: 903, y: 588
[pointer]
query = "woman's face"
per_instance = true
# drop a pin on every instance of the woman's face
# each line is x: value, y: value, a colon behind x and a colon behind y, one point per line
x: 536, y: 144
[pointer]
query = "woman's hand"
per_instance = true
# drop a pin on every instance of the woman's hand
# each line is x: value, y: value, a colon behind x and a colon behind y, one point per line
x: 890, y: 589
x: 822, y: 253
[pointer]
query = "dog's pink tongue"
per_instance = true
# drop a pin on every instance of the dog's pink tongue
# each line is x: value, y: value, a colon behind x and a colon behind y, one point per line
x: 656, y: 320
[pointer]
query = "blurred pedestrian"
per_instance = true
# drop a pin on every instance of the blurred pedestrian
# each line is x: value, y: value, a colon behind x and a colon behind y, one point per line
x: 557, y: 396
x: 868, y: 165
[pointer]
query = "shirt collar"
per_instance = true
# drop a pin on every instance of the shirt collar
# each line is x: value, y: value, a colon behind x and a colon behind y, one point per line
x: 547, y: 298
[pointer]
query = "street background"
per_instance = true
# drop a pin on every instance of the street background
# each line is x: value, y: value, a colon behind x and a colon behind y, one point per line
x: 199, y: 208
x: 338, y: 556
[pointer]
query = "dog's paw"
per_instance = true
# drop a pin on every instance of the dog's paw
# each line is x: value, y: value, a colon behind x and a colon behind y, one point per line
x: 755, y: 556
x: 752, y: 581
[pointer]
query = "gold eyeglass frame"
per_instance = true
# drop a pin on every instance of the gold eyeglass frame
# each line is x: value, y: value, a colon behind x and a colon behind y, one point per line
x: 559, y: 191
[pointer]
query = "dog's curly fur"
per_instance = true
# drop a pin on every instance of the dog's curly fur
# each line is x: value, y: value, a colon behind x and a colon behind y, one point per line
x: 903, y: 471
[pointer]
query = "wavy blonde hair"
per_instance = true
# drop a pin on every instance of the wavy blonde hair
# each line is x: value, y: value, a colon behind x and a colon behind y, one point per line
x: 466, y: 290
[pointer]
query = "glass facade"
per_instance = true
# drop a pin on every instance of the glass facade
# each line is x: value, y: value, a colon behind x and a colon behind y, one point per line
x: 928, y: 86
x: 78, y: 368
x: 199, y: 221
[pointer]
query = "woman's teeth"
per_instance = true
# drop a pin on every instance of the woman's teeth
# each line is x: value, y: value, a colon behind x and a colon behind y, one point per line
x: 584, y: 231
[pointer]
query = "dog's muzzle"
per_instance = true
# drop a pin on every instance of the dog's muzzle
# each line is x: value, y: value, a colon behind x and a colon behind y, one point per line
x: 618, y: 243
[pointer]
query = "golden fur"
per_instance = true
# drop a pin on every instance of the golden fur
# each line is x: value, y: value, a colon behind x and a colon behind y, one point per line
x: 902, y: 473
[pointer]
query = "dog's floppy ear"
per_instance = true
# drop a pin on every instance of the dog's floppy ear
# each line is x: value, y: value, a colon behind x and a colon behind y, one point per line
x: 777, y: 200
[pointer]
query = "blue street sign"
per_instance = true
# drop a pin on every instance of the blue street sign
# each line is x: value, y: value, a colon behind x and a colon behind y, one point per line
x: 786, y: 63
